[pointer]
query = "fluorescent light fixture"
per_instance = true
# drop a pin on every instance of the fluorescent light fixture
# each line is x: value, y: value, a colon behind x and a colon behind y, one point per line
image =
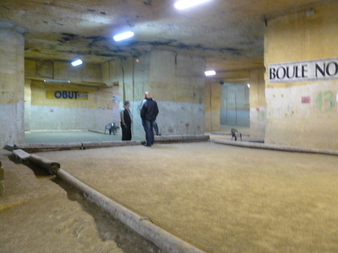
x: 76, y: 62
x: 210, y: 73
x: 56, y: 81
x: 248, y: 85
x: 183, y: 4
x: 123, y: 36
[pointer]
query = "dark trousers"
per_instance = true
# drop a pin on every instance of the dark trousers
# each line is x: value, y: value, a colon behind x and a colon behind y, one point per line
x: 148, y: 128
x: 157, y: 132
x: 126, y: 133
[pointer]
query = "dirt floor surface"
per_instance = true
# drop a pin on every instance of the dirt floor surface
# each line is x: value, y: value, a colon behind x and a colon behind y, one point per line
x: 39, y: 214
x: 219, y: 198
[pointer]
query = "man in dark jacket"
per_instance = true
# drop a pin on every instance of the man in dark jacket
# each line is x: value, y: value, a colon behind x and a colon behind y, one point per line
x: 126, y: 122
x: 149, y: 111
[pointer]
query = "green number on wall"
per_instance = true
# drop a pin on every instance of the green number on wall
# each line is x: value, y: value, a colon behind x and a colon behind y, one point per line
x: 319, y: 101
x: 329, y: 101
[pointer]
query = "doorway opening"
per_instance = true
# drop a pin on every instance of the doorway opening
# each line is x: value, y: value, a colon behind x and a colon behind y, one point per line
x: 235, y: 105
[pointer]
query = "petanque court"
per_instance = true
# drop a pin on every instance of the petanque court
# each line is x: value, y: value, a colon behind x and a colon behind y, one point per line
x: 245, y: 158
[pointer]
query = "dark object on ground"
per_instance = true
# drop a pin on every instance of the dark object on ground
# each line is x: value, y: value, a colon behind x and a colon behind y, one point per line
x: 233, y: 134
x: 111, y: 127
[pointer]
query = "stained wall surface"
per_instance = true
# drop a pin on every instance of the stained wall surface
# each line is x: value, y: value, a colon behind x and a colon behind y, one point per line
x: 291, y: 119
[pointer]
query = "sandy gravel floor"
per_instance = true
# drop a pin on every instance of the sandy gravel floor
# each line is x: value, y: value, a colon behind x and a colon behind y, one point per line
x: 220, y: 198
x: 39, y: 214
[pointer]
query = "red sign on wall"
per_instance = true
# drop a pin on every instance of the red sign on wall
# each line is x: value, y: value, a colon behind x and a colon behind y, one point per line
x: 306, y: 100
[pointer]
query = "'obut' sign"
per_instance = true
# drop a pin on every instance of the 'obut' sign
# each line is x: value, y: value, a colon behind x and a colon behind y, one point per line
x: 303, y: 71
x: 62, y: 94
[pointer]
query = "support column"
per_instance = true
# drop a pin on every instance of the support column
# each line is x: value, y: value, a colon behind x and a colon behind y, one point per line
x: 176, y: 82
x: 11, y: 84
x: 304, y: 36
x: 257, y: 104
x: 213, y: 92
x: 28, y: 99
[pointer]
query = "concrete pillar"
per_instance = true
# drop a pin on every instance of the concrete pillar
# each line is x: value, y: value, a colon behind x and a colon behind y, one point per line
x: 257, y: 104
x: 175, y: 81
x: 2, y: 178
x: 28, y: 99
x: 303, y: 36
x: 132, y: 74
x: 212, y: 106
x: 12, y: 84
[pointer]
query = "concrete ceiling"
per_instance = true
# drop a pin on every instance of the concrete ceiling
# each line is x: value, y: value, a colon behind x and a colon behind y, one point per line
x: 228, y: 33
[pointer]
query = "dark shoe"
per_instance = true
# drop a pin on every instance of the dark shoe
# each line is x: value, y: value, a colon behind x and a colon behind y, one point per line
x: 146, y: 145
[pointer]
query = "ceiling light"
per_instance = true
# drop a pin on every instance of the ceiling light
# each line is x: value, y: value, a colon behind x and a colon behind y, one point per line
x: 123, y: 36
x: 76, y: 62
x: 210, y: 73
x: 183, y: 4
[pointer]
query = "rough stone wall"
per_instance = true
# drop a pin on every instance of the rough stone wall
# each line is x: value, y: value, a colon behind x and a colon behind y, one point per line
x: 257, y: 104
x: 177, y: 83
x: 11, y: 85
x: 302, y: 36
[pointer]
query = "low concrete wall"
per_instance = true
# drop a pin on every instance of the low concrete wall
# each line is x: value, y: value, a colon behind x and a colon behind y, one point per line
x: 277, y: 147
x: 181, y: 138
x: 38, y: 147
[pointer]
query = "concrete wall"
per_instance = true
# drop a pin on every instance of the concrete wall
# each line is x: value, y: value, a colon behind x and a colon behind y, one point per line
x: 303, y: 36
x: 46, y: 113
x: 257, y: 104
x: 11, y: 84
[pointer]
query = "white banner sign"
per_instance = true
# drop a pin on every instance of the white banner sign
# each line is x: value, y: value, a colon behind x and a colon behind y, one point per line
x: 303, y: 71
